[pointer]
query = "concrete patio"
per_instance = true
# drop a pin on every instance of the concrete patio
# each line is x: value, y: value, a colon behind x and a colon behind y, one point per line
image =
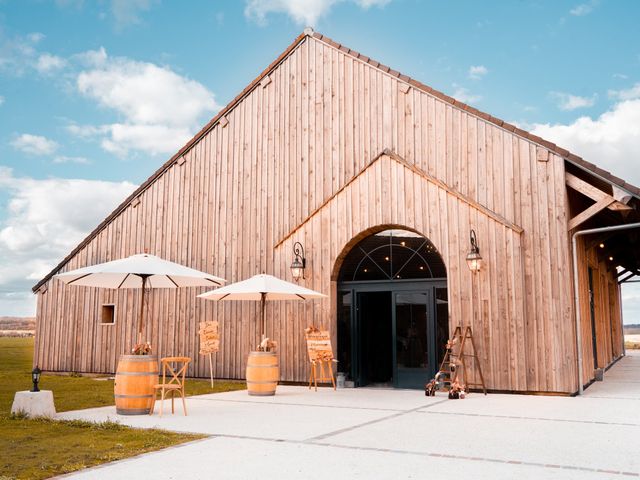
x: 375, y: 433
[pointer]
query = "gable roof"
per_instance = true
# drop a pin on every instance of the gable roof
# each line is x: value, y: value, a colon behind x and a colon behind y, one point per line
x: 308, y: 32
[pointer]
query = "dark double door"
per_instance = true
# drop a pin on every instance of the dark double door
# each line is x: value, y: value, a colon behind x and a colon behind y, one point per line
x: 389, y: 332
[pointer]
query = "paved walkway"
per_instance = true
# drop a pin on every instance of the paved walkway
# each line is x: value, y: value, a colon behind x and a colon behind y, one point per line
x: 397, y: 434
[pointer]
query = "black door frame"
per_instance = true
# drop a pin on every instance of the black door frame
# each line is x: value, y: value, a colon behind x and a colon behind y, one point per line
x: 427, y: 286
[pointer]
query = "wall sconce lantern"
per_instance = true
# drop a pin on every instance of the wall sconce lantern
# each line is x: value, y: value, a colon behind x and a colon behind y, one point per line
x: 474, y: 259
x: 35, y: 378
x: 299, y: 262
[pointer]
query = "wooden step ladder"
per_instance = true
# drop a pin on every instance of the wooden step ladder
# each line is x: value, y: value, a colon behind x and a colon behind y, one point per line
x: 456, y: 359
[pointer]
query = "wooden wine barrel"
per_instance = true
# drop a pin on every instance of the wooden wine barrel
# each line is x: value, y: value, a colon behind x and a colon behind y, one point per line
x: 135, y: 377
x: 262, y: 373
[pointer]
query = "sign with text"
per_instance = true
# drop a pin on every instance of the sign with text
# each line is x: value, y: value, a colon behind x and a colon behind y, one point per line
x: 319, y: 345
x: 209, y: 337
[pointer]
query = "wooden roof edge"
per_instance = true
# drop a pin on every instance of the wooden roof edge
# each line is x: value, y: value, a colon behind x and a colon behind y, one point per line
x: 196, y: 138
x: 603, y: 175
x: 552, y: 147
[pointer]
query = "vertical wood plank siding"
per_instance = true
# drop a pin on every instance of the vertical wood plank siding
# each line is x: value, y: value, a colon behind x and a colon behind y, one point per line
x: 607, y: 309
x: 289, y: 148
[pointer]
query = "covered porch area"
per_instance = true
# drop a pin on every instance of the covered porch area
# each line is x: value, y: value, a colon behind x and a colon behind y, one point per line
x: 604, y: 230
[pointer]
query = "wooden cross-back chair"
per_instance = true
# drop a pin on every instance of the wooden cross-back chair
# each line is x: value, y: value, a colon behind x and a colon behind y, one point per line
x: 320, y: 355
x: 176, y: 367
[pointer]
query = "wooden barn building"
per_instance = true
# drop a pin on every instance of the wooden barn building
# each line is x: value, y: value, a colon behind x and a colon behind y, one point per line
x: 381, y: 179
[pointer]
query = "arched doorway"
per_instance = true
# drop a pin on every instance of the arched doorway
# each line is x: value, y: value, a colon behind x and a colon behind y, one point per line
x: 392, y: 310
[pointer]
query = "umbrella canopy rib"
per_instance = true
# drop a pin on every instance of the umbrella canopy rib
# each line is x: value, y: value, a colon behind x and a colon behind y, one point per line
x: 79, y: 278
x: 124, y: 280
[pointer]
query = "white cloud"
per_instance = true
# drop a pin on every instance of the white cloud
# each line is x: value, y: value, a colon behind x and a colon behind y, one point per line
x: 160, y: 109
x: 87, y: 131
x: 371, y: 3
x: 569, y: 102
x: 92, y: 58
x: 34, y: 144
x: 35, y: 37
x: 153, y: 139
x: 302, y: 12
x: 48, y: 63
x: 584, y: 8
x: 612, y: 140
x: 18, y: 54
x: 65, y: 159
x: 127, y: 12
x: 1, y: 100
x: 44, y: 220
x: 146, y: 93
x: 476, y: 72
x: 628, y: 94
x: 464, y: 95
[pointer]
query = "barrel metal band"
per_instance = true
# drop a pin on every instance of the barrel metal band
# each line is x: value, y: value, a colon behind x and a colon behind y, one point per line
x: 132, y: 411
x: 119, y: 395
x: 261, y: 382
x: 139, y: 358
x: 137, y: 374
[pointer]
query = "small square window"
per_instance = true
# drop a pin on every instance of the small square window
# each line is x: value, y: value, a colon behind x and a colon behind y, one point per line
x: 108, y: 314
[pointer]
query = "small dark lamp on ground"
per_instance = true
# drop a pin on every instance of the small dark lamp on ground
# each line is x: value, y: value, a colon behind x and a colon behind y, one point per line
x: 299, y: 262
x: 35, y: 378
x: 474, y: 259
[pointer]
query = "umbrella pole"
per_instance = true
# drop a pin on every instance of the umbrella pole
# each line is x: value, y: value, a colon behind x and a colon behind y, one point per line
x: 141, y: 323
x: 211, y: 369
x: 262, y: 309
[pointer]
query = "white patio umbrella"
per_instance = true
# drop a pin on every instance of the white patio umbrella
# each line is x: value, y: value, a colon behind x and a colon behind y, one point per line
x: 262, y: 287
x: 139, y: 271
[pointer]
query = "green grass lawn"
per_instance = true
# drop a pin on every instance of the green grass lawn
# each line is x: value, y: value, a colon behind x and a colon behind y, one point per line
x: 38, y: 448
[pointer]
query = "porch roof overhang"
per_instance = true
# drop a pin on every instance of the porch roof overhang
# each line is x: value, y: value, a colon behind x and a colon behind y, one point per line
x: 598, y: 200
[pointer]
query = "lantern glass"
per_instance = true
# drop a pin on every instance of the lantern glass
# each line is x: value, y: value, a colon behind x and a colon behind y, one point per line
x: 474, y: 261
x: 297, y: 269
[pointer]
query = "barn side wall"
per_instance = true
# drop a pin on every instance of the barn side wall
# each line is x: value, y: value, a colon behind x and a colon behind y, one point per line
x: 281, y: 170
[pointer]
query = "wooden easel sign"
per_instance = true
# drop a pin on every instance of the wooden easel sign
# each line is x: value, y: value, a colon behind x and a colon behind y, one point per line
x: 320, y: 353
x: 209, y: 342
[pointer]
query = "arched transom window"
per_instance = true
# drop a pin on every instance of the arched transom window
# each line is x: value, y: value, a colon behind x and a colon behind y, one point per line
x: 392, y: 255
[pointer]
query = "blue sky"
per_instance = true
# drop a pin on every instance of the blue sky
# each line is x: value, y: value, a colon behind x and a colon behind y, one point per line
x: 95, y: 95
